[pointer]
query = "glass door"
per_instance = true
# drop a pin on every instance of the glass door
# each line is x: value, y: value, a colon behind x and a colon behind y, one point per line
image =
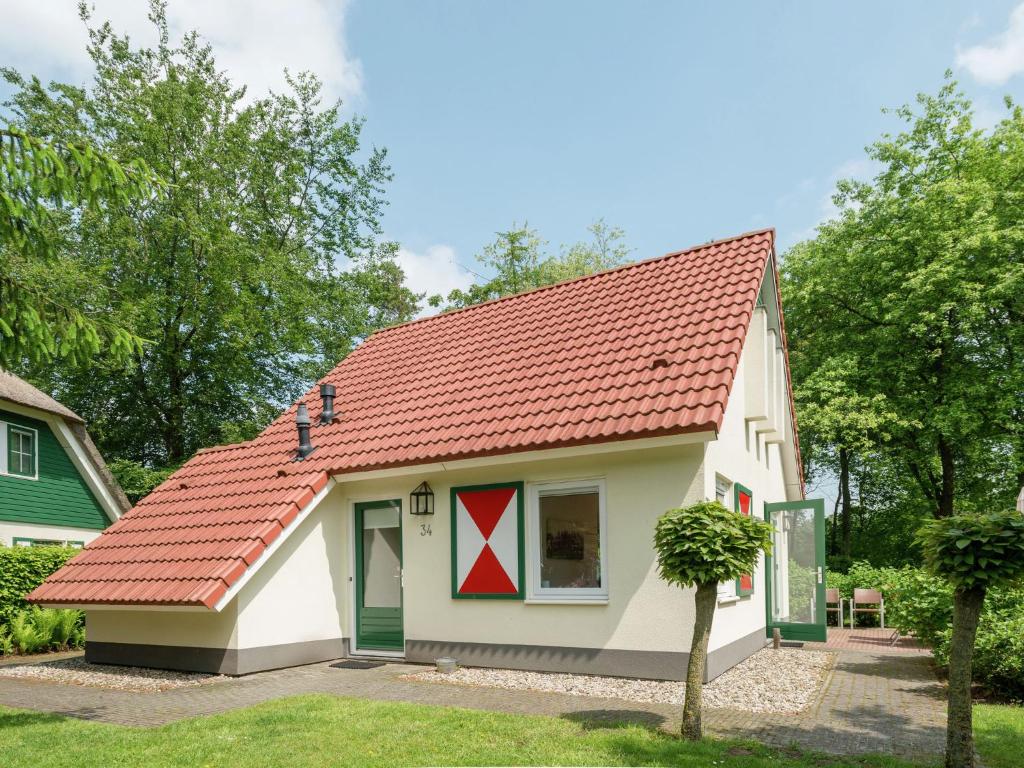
x: 378, y: 532
x: 796, y: 569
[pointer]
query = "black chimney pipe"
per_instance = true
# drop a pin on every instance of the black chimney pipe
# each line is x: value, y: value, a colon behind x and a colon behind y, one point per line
x: 327, y: 395
x: 302, y: 423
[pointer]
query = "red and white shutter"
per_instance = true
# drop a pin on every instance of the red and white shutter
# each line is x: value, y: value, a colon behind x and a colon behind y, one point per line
x: 744, y: 502
x: 487, y: 525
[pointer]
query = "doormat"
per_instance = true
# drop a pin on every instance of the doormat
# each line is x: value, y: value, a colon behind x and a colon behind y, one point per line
x: 357, y: 664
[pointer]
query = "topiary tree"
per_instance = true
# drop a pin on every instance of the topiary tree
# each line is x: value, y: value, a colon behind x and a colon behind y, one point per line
x: 701, y: 546
x: 972, y: 552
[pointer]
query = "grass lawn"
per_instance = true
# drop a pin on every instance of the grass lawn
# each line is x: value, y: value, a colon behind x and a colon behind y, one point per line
x: 999, y: 734
x: 320, y: 730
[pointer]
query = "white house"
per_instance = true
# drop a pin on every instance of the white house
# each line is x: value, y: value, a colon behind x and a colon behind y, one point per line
x: 542, y: 435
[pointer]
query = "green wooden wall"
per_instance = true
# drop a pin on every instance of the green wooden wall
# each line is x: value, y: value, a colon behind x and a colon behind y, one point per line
x: 59, y: 497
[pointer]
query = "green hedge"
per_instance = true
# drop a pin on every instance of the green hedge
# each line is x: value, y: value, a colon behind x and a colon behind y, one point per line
x: 22, y: 569
x: 920, y: 604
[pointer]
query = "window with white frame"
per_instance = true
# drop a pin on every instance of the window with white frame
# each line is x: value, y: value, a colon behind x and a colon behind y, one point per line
x: 723, y: 493
x: 21, y: 542
x: 567, y: 548
x: 21, y: 451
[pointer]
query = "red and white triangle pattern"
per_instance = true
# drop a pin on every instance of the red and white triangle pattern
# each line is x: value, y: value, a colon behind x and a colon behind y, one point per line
x: 487, y: 541
x: 743, y: 498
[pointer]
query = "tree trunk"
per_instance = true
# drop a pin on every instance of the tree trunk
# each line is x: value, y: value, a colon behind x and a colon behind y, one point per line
x: 844, y: 490
x: 833, y: 531
x: 706, y: 597
x: 947, y: 488
x: 959, y: 729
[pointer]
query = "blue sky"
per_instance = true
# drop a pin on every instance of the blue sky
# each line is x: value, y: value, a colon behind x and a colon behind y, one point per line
x: 679, y: 122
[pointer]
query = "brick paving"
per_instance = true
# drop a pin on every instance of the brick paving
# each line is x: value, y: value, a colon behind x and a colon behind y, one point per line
x: 870, y: 702
x: 868, y: 639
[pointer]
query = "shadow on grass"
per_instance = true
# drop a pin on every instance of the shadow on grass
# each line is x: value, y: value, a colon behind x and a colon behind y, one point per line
x: 591, y: 719
x: 26, y: 718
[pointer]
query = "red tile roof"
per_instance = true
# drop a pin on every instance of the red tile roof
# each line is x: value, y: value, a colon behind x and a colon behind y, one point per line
x: 645, y: 350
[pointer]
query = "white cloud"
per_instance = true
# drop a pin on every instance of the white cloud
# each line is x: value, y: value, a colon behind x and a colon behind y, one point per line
x: 1001, y: 57
x: 253, y: 40
x: 433, y: 271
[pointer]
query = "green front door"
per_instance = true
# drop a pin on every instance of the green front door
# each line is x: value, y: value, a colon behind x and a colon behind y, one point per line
x: 379, y: 576
x: 796, y: 569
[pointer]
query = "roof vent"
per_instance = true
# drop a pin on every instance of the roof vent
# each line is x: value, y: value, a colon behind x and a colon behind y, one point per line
x: 659, y: 362
x: 302, y: 423
x: 327, y: 392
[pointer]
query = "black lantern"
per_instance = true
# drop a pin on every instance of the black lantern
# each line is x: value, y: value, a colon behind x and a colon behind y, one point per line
x: 421, y: 501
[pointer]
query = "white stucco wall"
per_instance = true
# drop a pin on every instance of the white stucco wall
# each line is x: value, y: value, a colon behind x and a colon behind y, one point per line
x: 301, y: 594
x: 10, y: 531
x: 193, y: 629
x: 641, y: 611
x: 741, y: 455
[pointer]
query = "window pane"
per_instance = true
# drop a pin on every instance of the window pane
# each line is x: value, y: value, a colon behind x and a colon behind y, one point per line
x: 382, y: 559
x: 721, y: 490
x: 21, y: 452
x: 570, y: 541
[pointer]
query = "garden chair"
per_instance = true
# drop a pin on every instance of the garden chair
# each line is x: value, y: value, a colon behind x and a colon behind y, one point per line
x: 834, y: 604
x: 867, y: 601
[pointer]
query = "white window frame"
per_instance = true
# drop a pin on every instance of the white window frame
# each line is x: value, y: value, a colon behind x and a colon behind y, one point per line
x: 535, y: 593
x: 726, y: 589
x: 6, y: 428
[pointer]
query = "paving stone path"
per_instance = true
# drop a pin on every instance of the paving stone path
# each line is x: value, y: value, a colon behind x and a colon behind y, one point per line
x: 871, y: 702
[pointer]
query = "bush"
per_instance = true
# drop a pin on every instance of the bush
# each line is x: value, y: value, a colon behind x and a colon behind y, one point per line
x: 998, y: 662
x: 43, y: 629
x: 22, y: 569
x: 920, y: 604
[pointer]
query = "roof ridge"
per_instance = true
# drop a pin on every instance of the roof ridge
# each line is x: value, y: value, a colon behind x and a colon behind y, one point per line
x: 581, y: 278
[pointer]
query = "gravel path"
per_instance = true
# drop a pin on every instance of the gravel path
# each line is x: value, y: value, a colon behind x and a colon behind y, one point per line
x: 77, y: 671
x: 778, y: 681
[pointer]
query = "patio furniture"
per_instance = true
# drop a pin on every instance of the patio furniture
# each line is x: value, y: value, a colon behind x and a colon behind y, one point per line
x: 867, y: 601
x: 834, y: 604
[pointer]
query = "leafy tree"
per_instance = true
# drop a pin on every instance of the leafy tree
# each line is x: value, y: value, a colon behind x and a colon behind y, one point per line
x: 259, y: 269
x: 701, y: 546
x: 906, y: 313
x: 973, y: 552
x: 41, y: 315
x: 137, y: 480
x: 606, y: 249
x: 519, y: 264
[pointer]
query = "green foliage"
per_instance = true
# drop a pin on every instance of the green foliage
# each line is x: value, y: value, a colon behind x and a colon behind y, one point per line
x: 519, y: 263
x: 26, y: 637
x: 45, y: 629
x: 998, y: 662
x: 256, y: 272
x: 136, y: 479
x: 919, y: 603
x: 705, y: 543
x: 905, y: 314
x: 975, y: 550
x: 42, y: 182
x: 22, y: 569
x: 6, y: 643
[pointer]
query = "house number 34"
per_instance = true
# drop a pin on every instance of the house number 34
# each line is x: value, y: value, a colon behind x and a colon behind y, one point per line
x: 425, y: 529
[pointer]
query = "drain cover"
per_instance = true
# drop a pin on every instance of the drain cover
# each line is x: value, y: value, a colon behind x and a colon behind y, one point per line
x: 357, y: 664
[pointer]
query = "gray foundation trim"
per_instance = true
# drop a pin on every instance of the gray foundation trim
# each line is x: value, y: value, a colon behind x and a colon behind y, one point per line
x: 224, y: 661
x: 728, y: 656
x: 652, y: 665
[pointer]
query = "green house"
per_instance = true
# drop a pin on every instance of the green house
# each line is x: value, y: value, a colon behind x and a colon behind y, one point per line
x: 55, y: 488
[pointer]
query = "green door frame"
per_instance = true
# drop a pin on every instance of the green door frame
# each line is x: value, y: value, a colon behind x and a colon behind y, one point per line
x: 817, y: 630
x: 386, y: 637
